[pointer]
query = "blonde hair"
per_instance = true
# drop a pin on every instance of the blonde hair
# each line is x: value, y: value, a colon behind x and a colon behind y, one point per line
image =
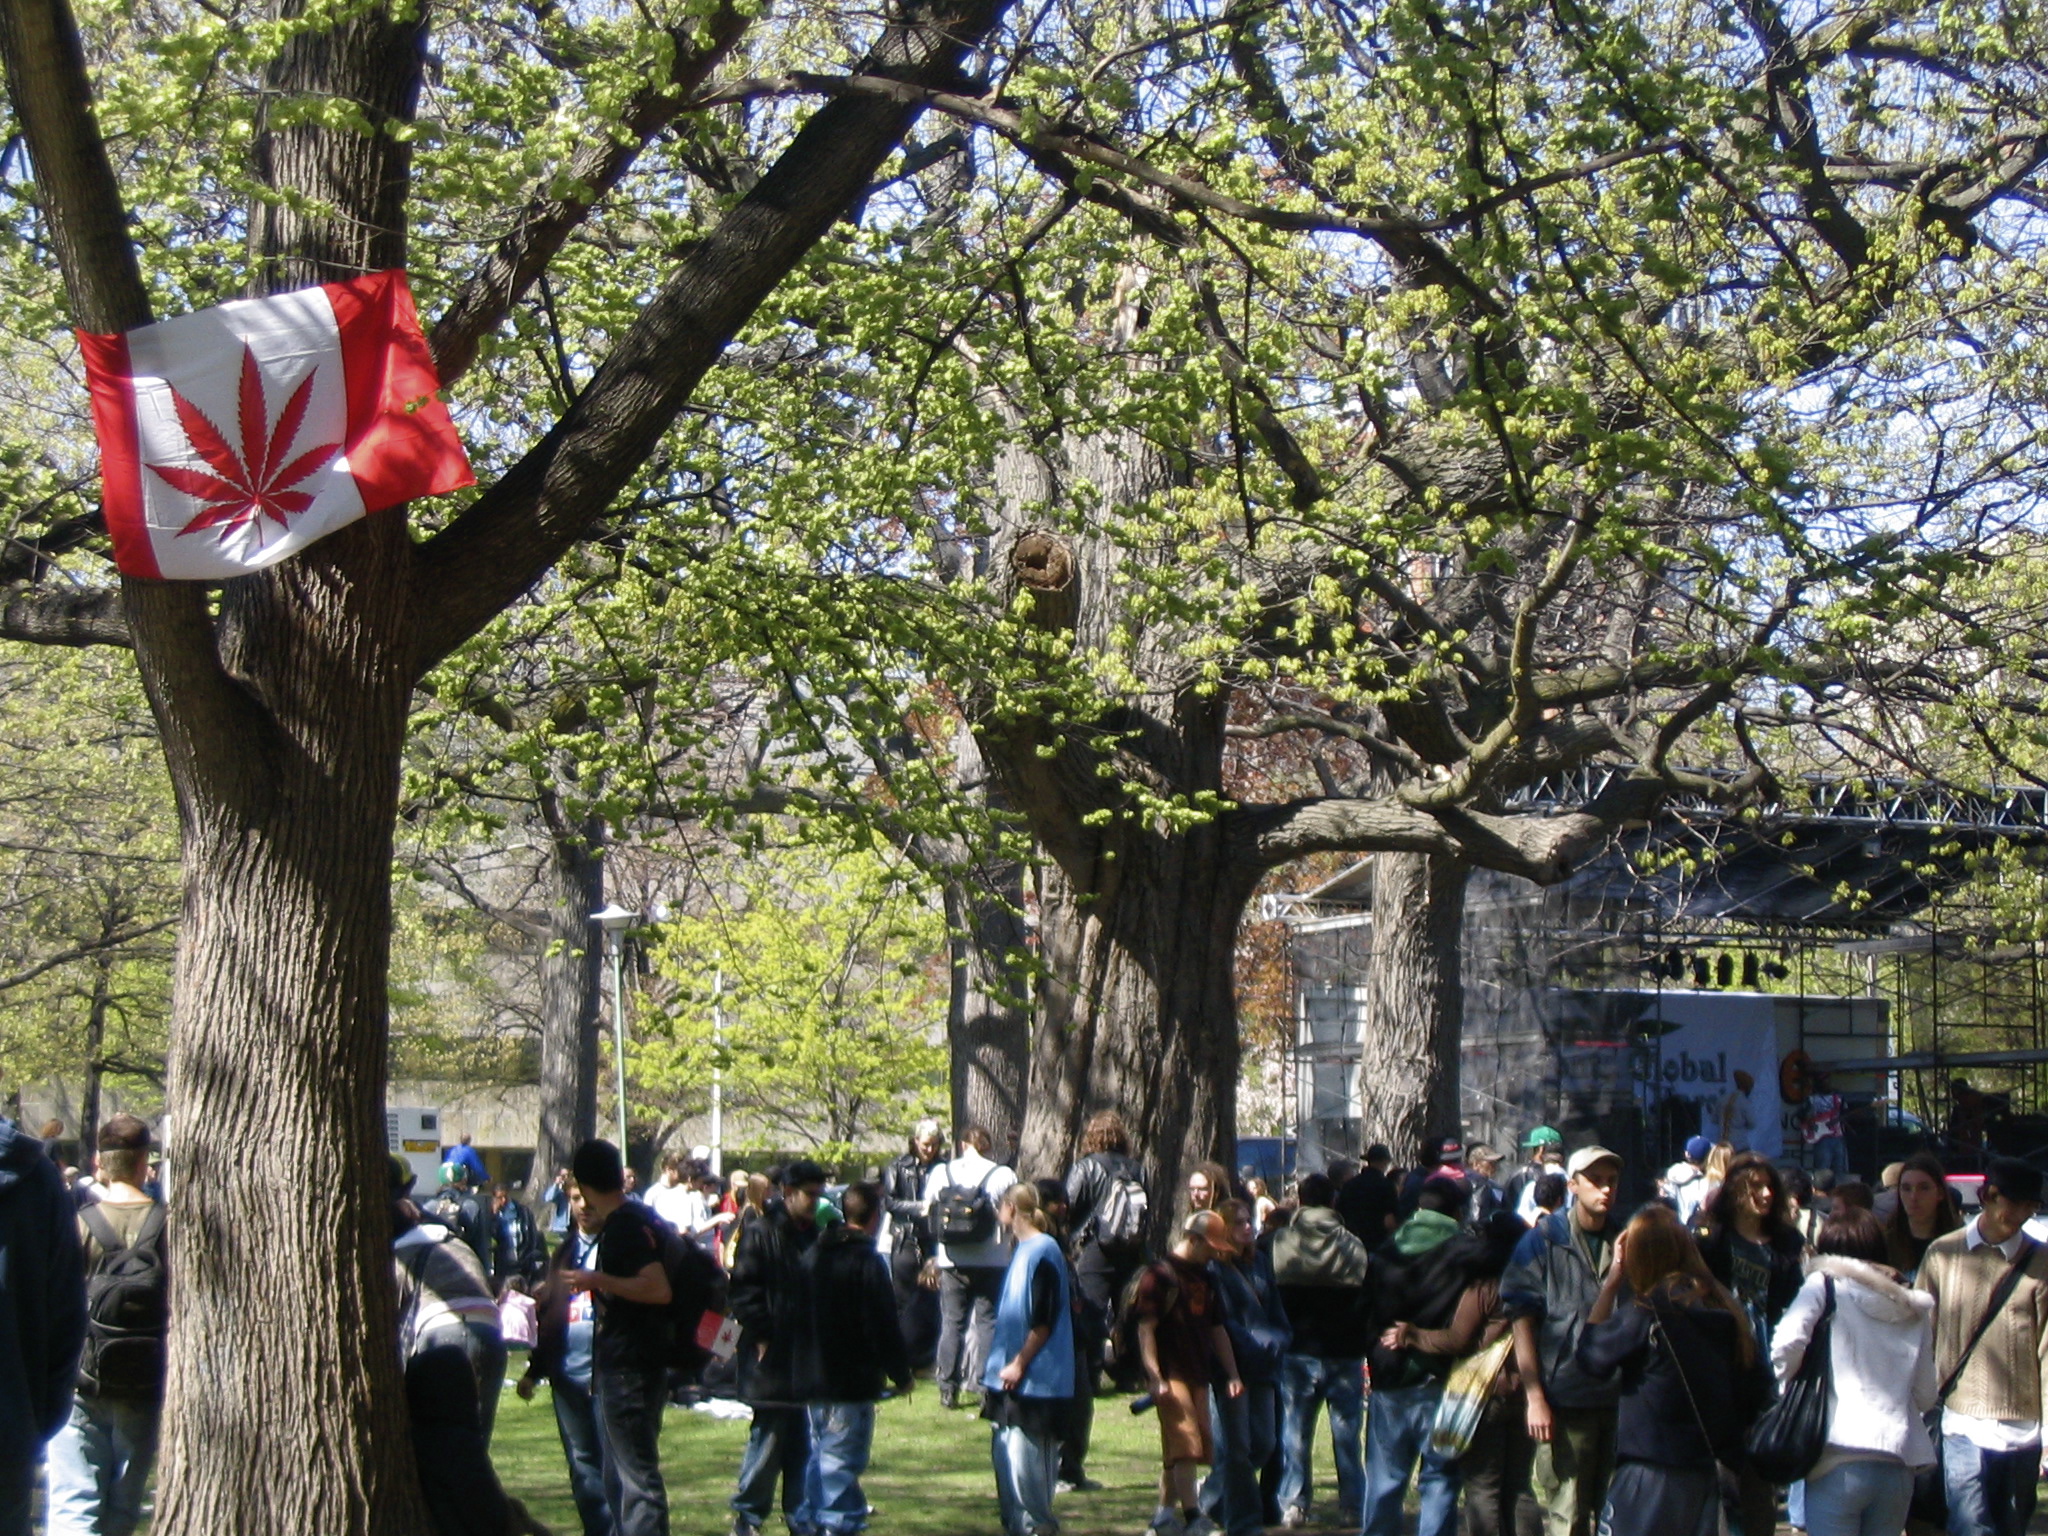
x: 1022, y: 1200
x: 1716, y: 1165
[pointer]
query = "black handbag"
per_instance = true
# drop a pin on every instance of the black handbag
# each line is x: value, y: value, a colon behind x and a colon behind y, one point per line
x: 1790, y: 1435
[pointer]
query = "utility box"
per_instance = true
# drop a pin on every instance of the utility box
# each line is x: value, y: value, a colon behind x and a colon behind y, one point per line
x: 415, y: 1136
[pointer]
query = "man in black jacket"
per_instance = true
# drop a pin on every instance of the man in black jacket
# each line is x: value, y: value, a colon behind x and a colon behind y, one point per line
x: 903, y: 1181
x: 42, y: 1314
x: 850, y: 1350
x: 770, y: 1299
x: 1368, y: 1201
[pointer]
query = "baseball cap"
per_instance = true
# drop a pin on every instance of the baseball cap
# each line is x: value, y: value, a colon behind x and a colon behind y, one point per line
x: 1586, y: 1157
x: 1543, y: 1136
x: 1698, y: 1148
x: 1211, y: 1228
x: 700, y: 1154
x: 400, y: 1175
x: 1450, y: 1150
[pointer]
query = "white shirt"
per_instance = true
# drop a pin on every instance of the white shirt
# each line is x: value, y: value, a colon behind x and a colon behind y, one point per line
x: 1996, y: 1435
x: 970, y: 1167
x: 677, y: 1204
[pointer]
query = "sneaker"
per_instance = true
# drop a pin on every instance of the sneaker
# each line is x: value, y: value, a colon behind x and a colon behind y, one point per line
x: 742, y: 1526
x: 1166, y: 1522
x: 1293, y: 1517
x: 1077, y: 1485
x: 949, y: 1397
x: 1202, y: 1525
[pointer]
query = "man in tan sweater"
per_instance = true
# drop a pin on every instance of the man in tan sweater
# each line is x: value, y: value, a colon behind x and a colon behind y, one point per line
x: 1991, y: 1420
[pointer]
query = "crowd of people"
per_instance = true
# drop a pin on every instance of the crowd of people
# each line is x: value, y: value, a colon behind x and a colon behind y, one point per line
x: 1510, y: 1350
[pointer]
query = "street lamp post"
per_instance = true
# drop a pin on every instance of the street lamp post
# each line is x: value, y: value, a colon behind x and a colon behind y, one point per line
x: 718, y: 1073
x: 615, y: 920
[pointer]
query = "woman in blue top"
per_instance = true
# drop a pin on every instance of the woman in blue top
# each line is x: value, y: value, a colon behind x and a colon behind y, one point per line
x: 1030, y: 1370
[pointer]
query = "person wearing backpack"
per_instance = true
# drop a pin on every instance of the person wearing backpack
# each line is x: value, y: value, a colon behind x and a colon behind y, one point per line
x: 770, y: 1300
x: 1108, y: 1209
x: 99, y: 1461
x: 972, y: 1251
x: 456, y: 1207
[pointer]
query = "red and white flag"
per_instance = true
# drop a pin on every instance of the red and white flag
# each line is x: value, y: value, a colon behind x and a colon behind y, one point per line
x: 238, y: 435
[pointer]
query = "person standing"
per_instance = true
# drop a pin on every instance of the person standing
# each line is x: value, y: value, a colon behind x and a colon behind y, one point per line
x: 1685, y: 1181
x: 1421, y: 1279
x: 770, y: 1299
x: 1989, y: 1282
x: 470, y: 1161
x: 852, y: 1348
x: 557, y: 1202
x: 1735, y: 1115
x: 1245, y: 1429
x: 1185, y: 1350
x: 1108, y: 1211
x: 1752, y: 1248
x: 1481, y: 1164
x: 563, y: 1357
x: 1549, y: 1289
x: 1881, y: 1359
x: 99, y: 1462
x: 518, y: 1251
x: 1543, y: 1153
x: 1321, y: 1271
x: 1029, y: 1375
x: 675, y: 1199
x: 629, y: 1367
x: 1821, y: 1124
x: 1681, y: 1350
x: 970, y: 1263
x: 1925, y: 1211
x: 909, y: 1240
x: 1368, y: 1202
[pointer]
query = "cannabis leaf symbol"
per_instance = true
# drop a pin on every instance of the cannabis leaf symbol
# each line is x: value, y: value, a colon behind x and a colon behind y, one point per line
x: 256, y: 482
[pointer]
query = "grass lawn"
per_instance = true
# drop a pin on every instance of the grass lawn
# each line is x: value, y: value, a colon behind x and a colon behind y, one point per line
x: 929, y: 1476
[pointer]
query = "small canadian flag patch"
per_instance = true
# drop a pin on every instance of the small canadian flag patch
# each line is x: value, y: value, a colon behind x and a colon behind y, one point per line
x: 236, y: 436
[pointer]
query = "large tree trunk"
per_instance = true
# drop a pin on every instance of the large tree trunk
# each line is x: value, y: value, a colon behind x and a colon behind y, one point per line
x: 1138, y: 1013
x: 1408, y: 1075
x: 571, y: 983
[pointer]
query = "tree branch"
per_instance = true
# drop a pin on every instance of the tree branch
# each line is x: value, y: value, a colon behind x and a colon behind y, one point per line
x: 511, y: 534
x: 483, y: 301
x: 64, y: 616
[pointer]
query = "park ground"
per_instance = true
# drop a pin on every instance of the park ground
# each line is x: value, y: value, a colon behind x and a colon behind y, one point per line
x: 930, y: 1475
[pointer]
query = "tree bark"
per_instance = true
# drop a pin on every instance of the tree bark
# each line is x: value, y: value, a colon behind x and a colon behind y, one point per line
x: 988, y: 1028
x: 1408, y: 1074
x: 95, y: 1047
x: 571, y: 992
x: 1138, y: 1012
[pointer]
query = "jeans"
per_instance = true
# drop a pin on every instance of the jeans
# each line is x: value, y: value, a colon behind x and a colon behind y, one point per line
x: 1570, y: 1470
x: 778, y: 1447
x: 1795, y: 1504
x: 964, y: 1349
x: 99, y: 1466
x: 1860, y: 1498
x: 841, y: 1436
x: 17, y: 1490
x: 1396, y: 1433
x: 1245, y: 1430
x: 1990, y: 1493
x: 1026, y: 1468
x: 1307, y: 1382
x: 576, y: 1419
x: 1831, y: 1152
x: 629, y: 1404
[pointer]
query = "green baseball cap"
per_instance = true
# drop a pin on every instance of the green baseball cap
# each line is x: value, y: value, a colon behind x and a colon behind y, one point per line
x: 1543, y: 1136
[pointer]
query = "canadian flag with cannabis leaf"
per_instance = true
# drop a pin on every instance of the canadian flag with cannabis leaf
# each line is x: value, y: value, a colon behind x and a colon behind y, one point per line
x: 238, y: 435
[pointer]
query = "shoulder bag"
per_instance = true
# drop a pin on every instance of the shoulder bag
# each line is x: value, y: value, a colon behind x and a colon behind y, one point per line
x: 1791, y: 1434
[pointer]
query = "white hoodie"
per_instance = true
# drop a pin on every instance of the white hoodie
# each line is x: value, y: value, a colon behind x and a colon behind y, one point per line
x: 1685, y: 1183
x: 1882, y: 1352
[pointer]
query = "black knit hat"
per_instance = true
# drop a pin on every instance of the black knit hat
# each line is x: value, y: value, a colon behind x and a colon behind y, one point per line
x: 2014, y: 1179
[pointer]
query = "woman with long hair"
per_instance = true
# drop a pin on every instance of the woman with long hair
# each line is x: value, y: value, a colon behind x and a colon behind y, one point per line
x: 1752, y: 1248
x: 1208, y: 1187
x: 1686, y: 1356
x: 1925, y: 1211
x: 1881, y: 1356
x: 1030, y: 1372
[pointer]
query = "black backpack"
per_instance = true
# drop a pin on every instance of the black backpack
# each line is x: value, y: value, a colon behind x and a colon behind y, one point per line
x: 963, y: 1213
x: 696, y: 1286
x: 1124, y: 1355
x: 127, y: 1309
